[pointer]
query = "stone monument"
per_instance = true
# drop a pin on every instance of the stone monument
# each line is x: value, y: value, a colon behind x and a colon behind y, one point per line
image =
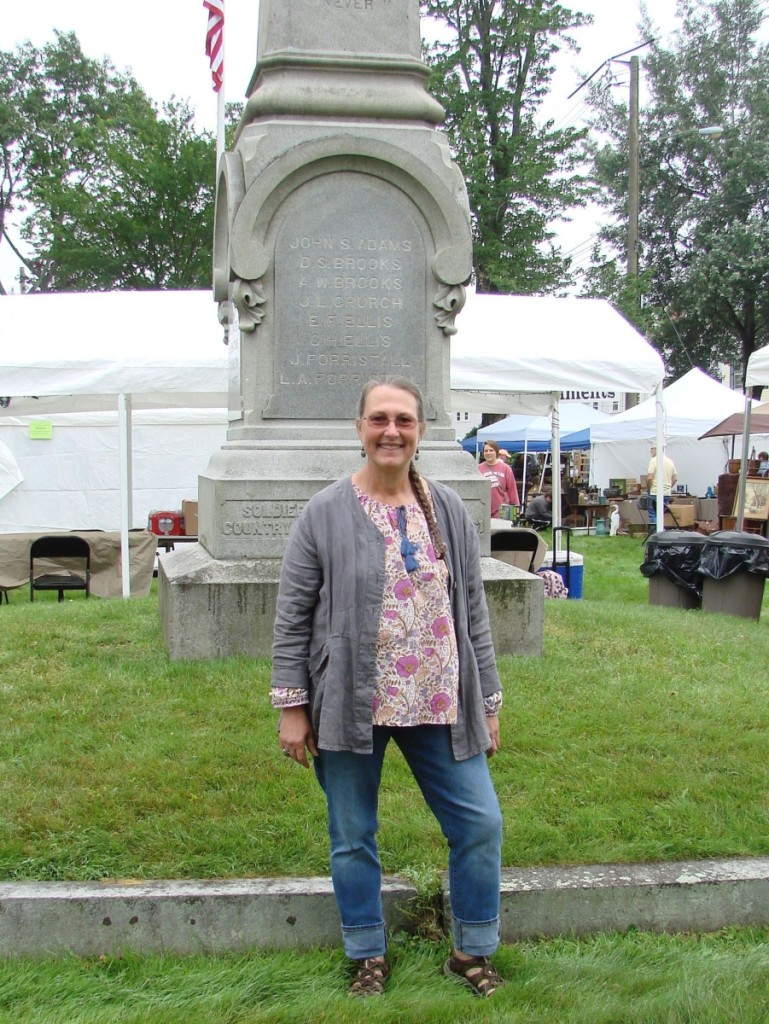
x: 342, y: 246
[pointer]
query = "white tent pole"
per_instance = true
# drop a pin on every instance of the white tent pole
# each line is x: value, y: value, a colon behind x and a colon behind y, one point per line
x: 522, y: 495
x: 660, y: 417
x: 743, y: 465
x: 555, y: 461
x: 126, y: 488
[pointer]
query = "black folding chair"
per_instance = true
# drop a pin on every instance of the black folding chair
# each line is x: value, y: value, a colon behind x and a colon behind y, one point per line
x: 522, y: 542
x: 68, y: 564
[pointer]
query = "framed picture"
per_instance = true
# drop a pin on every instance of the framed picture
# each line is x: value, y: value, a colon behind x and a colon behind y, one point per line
x: 756, y: 499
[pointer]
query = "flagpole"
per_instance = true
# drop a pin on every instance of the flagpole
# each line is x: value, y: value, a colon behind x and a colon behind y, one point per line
x: 215, y: 53
x: 219, y: 125
x: 220, y: 103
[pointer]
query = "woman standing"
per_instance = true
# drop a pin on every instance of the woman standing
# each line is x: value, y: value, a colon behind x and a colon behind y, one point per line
x: 382, y: 633
x: 504, y: 489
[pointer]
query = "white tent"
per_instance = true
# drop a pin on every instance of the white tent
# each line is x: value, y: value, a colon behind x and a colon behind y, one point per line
x: 693, y: 404
x: 758, y: 369
x: 114, y: 351
x: 517, y: 353
x: 134, y: 350
x: 83, y: 350
x: 70, y: 478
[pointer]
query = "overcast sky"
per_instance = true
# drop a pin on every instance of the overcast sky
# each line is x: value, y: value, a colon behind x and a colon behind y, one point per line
x: 163, y: 41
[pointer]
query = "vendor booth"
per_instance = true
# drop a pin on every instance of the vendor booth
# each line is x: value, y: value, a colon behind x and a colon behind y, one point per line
x: 518, y: 353
x: 528, y: 434
x: 693, y: 404
x: 757, y: 376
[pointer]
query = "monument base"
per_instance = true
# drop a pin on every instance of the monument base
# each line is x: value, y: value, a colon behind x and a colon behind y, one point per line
x: 212, y: 608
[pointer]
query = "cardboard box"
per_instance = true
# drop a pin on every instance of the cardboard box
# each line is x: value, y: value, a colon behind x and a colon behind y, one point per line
x: 684, y: 516
x: 190, y: 514
x: 508, y: 512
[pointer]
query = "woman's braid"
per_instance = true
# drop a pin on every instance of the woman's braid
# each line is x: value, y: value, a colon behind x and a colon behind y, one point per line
x: 427, y: 508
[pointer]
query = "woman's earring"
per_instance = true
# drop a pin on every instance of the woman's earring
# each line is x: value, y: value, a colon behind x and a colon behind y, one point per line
x: 416, y: 454
x: 362, y: 452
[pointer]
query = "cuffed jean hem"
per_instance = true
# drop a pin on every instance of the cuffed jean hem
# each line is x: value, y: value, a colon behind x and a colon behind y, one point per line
x: 365, y: 941
x: 476, y: 938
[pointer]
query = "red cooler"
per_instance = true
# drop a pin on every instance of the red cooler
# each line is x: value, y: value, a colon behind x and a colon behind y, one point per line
x: 166, y: 524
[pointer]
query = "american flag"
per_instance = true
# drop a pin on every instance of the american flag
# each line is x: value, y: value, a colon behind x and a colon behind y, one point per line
x: 215, y: 40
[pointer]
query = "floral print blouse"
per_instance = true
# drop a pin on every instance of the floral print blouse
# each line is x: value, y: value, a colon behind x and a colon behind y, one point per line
x: 416, y: 652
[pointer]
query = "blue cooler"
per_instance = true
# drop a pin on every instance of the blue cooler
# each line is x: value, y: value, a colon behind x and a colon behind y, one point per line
x: 572, y: 575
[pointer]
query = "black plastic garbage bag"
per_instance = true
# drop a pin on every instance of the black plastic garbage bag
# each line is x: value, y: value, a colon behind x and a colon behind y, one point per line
x: 676, y: 554
x: 730, y: 551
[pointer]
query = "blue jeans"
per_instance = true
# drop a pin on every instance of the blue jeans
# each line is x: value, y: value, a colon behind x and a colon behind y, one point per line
x: 462, y: 798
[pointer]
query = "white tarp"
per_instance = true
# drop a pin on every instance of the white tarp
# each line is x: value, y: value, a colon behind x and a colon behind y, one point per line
x: 72, y: 479
x: 10, y: 471
x: 135, y: 350
x: 516, y: 353
x: 693, y: 404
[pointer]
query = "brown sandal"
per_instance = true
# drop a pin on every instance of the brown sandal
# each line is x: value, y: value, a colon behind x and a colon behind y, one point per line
x: 478, y: 973
x: 370, y: 977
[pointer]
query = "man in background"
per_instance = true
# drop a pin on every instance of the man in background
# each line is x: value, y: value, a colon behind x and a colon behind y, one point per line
x: 668, y: 471
x: 539, y: 511
x: 669, y: 477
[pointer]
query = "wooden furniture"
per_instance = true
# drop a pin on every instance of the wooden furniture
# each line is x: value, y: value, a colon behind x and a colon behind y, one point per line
x: 757, y: 526
x: 589, y: 513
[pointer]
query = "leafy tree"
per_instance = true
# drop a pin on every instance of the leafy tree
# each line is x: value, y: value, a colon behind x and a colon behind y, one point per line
x: 107, y: 192
x: 491, y: 77
x: 704, y: 250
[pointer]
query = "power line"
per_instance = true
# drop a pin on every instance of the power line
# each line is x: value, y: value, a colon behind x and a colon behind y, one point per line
x: 617, y: 56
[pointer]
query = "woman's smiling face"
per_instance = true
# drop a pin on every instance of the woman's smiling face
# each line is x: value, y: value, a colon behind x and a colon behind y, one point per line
x: 389, y: 429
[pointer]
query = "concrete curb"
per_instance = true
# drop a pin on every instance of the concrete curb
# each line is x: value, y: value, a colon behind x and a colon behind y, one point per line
x: 678, y: 896
x: 183, y: 917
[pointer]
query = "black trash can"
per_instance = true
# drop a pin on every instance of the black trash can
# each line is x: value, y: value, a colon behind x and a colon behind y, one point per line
x: 672, y: 568
x: 734, y: 566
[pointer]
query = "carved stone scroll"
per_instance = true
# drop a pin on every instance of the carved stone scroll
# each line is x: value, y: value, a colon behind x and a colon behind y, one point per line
x: 249, y: 298
x: 449, y: 301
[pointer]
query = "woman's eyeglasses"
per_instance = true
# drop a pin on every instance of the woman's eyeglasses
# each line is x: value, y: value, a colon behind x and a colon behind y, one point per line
x: 402, y: 421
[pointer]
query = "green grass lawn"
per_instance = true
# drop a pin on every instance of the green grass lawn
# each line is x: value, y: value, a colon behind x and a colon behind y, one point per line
x: 609, y: 979
x: 641, y: 734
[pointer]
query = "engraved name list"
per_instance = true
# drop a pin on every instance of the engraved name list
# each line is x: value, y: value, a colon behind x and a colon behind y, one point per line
x: 349, y: 299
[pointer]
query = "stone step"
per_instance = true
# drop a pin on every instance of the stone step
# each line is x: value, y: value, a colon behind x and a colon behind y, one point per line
x: 186, y: 917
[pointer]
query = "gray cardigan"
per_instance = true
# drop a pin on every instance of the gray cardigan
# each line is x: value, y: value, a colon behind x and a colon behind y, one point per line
x: 328, y: 613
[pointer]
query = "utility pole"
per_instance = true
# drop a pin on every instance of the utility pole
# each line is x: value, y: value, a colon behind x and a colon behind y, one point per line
x: 633, y: 200
x: 633, y: 189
